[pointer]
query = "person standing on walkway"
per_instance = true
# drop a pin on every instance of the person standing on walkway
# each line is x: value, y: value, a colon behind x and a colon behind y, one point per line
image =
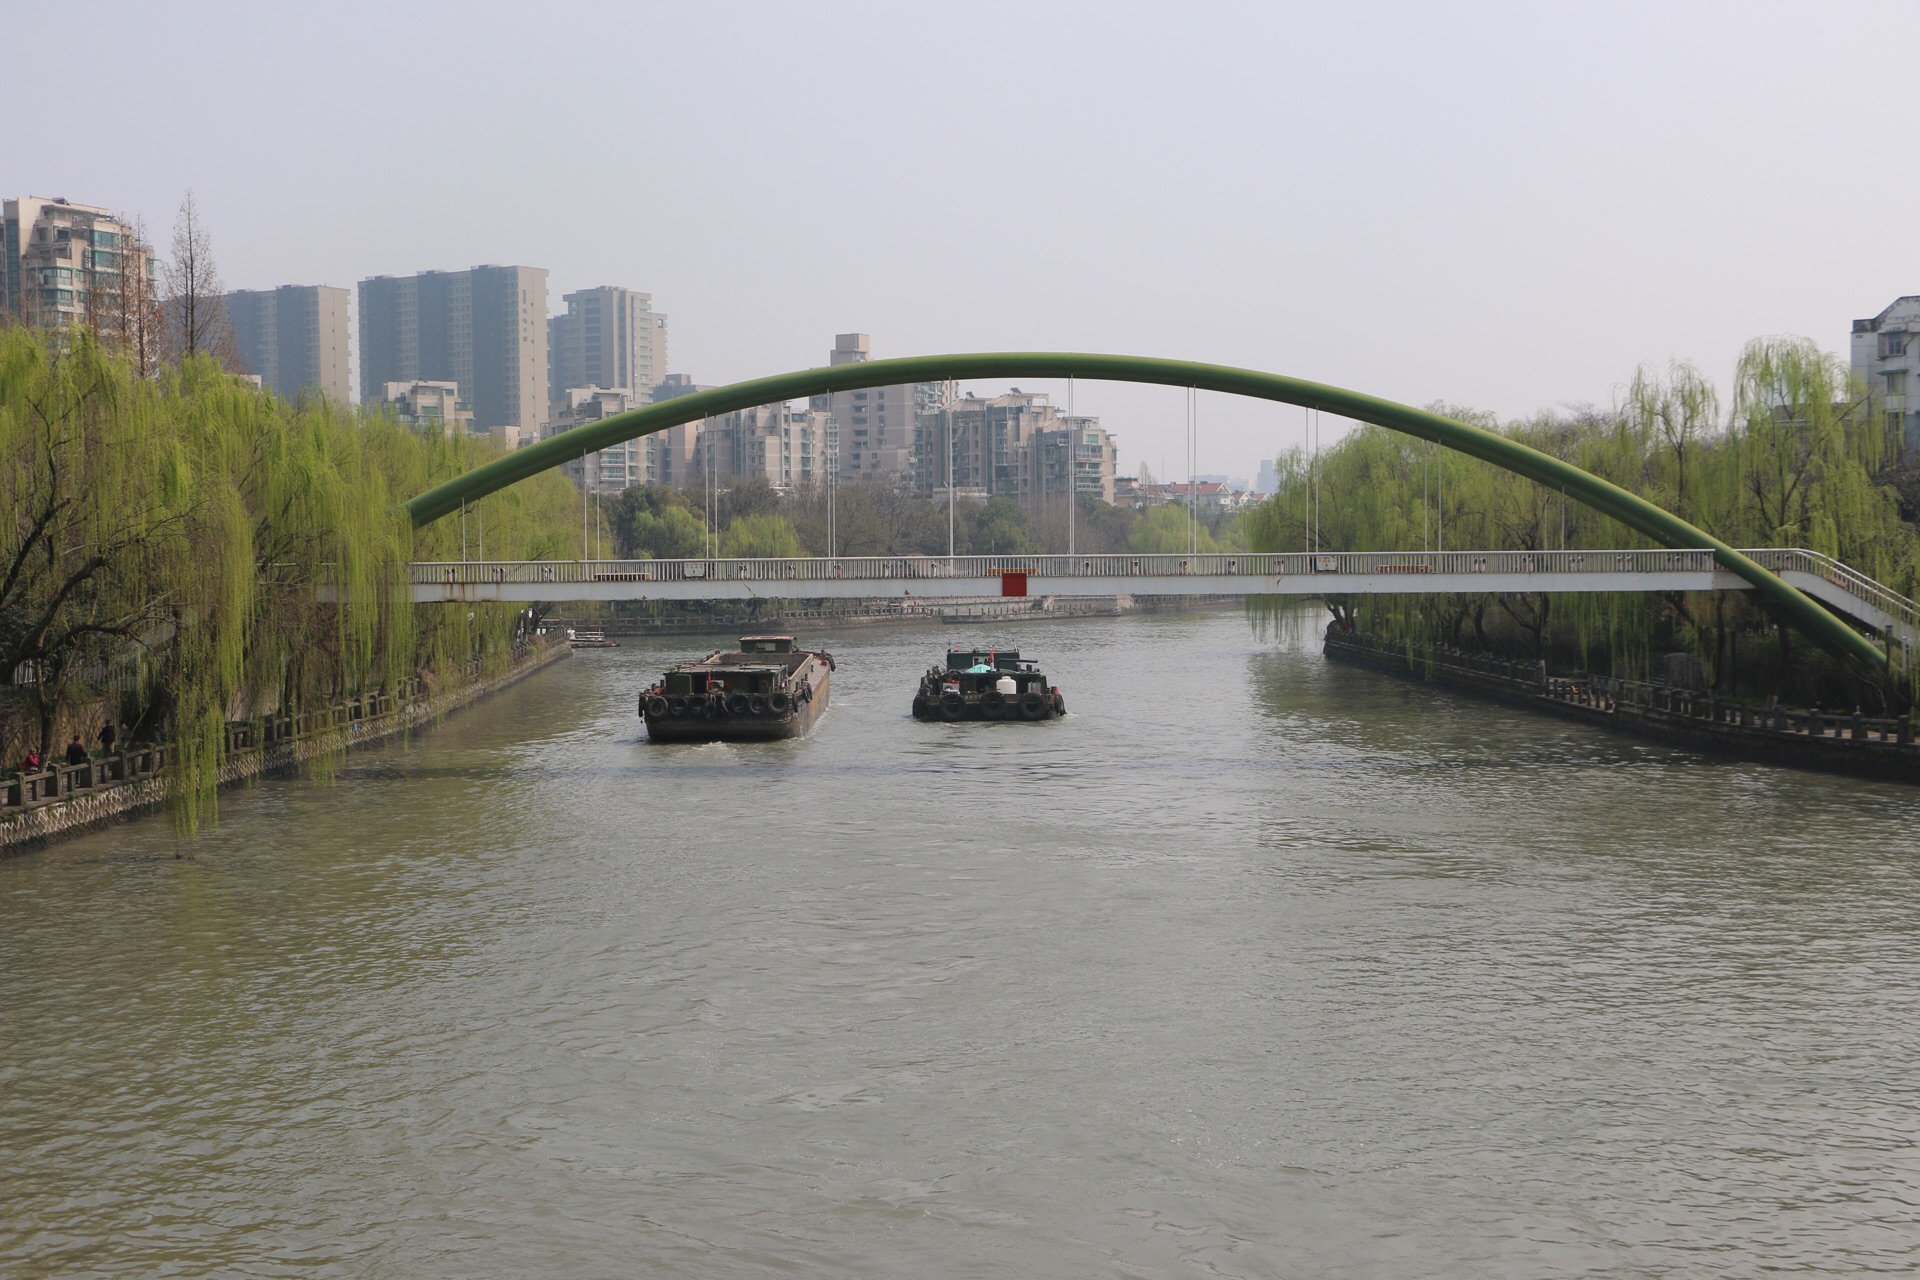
x: 107, y: 736
x: 76, y: 751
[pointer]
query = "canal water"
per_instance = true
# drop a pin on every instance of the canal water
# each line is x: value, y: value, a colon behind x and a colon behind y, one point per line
x: 1251, y: 966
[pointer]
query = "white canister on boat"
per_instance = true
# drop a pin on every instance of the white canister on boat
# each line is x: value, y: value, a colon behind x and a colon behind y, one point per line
x: 1007, y: 686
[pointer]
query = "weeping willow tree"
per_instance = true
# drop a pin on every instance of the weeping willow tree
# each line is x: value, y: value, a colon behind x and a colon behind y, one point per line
x: 211, y: 553
x: 121, y: 542
x: 1797, y: 462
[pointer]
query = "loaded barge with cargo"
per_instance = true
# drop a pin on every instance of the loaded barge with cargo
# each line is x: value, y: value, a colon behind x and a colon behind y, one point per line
x: 763, y: 690
x: 986, y: 684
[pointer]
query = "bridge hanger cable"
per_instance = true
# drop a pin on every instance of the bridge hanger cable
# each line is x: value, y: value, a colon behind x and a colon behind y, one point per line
x: 1313, y: 416
x: 1193, y: 504
x: 950, y: 498
x: 1306, y: 494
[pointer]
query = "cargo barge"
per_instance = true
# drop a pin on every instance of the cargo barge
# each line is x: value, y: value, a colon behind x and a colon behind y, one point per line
x: 764, y: 690
x: 986, y: 684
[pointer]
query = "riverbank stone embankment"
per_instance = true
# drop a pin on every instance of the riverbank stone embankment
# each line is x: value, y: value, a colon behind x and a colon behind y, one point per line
x: 1851, y: 743
x: 135, y: 782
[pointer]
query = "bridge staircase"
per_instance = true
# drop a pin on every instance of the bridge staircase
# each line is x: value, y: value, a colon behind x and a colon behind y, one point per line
x: 1847, y: 592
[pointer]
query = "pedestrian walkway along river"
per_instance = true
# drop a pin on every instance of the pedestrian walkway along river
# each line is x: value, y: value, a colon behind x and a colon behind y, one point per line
x: 1251, y: 966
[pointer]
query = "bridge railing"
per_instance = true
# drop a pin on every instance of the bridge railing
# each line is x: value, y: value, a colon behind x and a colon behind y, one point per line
x: 798, y: 571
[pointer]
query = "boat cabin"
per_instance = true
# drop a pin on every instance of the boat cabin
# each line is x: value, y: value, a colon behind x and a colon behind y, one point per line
x: 998, y: 659
x: 976, y: 671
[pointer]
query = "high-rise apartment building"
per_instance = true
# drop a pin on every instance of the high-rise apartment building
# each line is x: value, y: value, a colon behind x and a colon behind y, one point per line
x: 294, y: 338
x: 63, y: 263
x: 616, y: 467
x: 484, y: 329
x: 1886, y: 360
x: 1018, y: 445
x: 986, y: 438
x: 431, y: 405
x: 879, y: 427
x: 1076, y: 456
x: 608, y: 337
x: 786, y: 447
x: 673, y: 456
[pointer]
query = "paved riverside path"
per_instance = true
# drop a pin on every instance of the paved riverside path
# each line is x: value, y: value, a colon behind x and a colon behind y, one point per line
x: 1227, y: 573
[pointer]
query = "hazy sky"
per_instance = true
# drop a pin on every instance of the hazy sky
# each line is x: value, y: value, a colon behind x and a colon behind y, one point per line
x: 1501, y: 205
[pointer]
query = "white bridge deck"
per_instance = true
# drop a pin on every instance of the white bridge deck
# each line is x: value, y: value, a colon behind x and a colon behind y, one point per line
x: 1291, y: 573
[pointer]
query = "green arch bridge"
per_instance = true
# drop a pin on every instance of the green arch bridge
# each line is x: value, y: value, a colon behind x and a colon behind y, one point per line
x: 1779, y: 596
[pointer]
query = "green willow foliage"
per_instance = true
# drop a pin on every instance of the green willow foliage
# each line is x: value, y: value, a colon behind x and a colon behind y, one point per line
x: 212, y: 553
x: 1798, y: 462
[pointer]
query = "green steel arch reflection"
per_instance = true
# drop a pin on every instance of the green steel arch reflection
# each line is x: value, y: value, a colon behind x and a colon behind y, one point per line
x: 1636, y: 513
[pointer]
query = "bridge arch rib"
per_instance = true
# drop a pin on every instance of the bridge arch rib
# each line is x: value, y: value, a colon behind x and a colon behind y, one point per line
x: 1609, y: 499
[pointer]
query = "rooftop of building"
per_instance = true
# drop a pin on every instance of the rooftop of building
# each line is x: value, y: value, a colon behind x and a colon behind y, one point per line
x: 1872, y: 324
x: 65, y: 203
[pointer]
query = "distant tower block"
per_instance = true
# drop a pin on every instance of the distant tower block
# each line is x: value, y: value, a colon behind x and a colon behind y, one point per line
x: 875, y: 434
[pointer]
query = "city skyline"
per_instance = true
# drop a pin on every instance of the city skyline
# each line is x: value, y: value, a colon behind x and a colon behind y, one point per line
x: 1509, y: 208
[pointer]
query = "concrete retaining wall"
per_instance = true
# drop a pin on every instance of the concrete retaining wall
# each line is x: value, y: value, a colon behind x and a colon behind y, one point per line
x: 25, y: 828
x: 1689, y: 720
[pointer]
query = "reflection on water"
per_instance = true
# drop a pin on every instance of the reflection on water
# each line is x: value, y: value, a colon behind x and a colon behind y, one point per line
x: 1251, y: 966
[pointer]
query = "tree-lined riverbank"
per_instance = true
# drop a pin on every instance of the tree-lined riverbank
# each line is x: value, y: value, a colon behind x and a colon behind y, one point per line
x: 165, y: 538
x: 1802, y: 459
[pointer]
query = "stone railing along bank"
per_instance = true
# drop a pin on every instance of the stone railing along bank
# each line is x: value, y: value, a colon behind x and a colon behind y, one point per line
x: 64, y: 798
x: 1852, y: 743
